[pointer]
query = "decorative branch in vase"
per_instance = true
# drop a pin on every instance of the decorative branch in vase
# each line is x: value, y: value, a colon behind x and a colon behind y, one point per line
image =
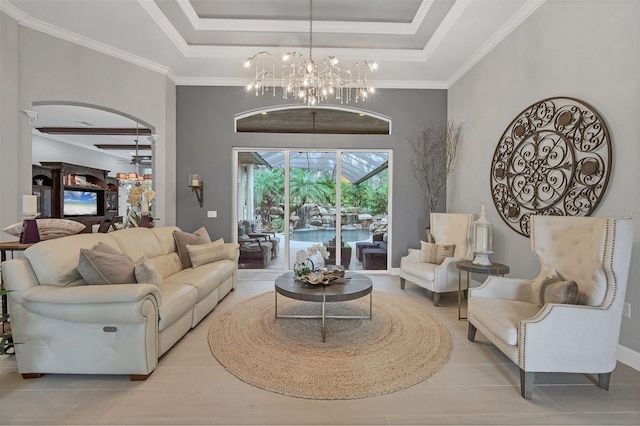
x: 434, y: 153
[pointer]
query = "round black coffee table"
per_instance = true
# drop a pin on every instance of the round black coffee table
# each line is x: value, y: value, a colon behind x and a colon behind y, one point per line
x: 352, y: 286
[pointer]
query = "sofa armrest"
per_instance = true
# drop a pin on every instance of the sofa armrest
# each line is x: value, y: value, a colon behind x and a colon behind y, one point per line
x: 117, y: 303
x: 92, y: 294
x: 503, y: 288
x: 414, y: 255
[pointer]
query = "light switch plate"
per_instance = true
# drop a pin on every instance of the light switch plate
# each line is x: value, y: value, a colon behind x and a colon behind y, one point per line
x: 626, y: 310
x: 212, y: 213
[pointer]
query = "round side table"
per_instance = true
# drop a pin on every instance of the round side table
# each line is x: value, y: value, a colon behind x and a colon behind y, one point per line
x: 468, y: 266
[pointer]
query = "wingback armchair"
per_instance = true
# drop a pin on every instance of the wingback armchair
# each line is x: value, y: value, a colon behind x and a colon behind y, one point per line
x: 534, y: 323
x: 446, y: 229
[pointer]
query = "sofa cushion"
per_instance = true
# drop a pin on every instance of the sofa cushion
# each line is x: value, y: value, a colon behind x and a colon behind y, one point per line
x: 545, y: 278
x: 55, y: 262
x: 204, y: 280
x: 435, y: 253
x: 168, y: 264
x: 502, y: 316
x: 177, y: 300
x: 200, y: 236
x: 105, y: 265
x: 202, y: 254
x: 138, y: 243
x: 147, y: 272
x: 560, y: 292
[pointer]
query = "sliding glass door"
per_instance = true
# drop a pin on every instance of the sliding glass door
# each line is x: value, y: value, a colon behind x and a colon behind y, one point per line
x: 292, y: 200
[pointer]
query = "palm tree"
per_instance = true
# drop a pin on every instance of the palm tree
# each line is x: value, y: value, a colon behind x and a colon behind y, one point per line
x: 268, y: 185
x: 305, y: 186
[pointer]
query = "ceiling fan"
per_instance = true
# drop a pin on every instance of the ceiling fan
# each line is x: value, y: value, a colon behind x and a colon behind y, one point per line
x: 137, y: 159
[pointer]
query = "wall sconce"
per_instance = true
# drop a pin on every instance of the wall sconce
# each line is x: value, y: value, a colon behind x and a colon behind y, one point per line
x: 196, y: 185
x: 482, y: 239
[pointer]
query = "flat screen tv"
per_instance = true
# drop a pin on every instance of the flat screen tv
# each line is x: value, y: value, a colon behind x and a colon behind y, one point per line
x: 80, y: 203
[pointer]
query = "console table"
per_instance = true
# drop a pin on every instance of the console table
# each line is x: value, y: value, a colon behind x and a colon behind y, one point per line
x: 6, y: 341
x: 468, y: 266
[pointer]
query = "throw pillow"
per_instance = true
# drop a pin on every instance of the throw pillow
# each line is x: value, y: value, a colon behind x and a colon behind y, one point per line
x: 147, y: 272
x: 200, y: 236
x: 545, y: 277
x: 435, y: 253
x: 560, y: 292
x: 104, y: 264
x: 49, y: 228
x: 206, y: 253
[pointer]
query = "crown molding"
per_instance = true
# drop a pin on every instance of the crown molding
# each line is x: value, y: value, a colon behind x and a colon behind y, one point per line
x: 445, y: 26
x: 302, y: 26
x: 52, y: 30
x: 380, y: 55
x: 165, y: 25
x: 390, y: 55
x: 12, y: 11
x: 502, y: 33
x: 242, y: 82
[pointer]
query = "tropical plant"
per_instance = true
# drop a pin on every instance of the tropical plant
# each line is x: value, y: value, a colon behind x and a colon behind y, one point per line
x: 434, y: 154
x: 305, y: 186
x: 277, y: 224
x: 353, y: 195
x: 377, y: 199
x: 268, y: 185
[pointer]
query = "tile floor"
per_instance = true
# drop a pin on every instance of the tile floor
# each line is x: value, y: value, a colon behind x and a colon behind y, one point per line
x: 477, y: 386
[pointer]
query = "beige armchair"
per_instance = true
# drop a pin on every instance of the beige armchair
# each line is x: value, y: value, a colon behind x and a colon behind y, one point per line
x: 446, y: 229
x: 533, y: 321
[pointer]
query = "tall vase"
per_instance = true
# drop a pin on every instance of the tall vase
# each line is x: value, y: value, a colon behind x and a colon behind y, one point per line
x: 145, y: 221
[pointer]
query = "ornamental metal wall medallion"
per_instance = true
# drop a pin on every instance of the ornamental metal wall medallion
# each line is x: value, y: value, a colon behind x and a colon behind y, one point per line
x: 553, y: 159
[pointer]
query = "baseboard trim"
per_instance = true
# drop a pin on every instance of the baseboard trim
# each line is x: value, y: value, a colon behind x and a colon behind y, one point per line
x: 629, y: 357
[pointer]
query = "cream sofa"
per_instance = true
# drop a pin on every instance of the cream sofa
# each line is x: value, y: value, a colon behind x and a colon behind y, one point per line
x: 63, y: 325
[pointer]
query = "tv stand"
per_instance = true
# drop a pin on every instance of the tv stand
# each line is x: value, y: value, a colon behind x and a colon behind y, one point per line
x: 66, y: 176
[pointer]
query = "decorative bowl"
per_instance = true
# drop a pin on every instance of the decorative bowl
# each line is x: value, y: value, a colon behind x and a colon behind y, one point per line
x: 321, y: 277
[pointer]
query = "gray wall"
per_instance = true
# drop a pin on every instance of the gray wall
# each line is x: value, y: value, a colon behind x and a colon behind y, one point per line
x: 205, y: 134
x: 589, y: 50
x: 8, y: 114
x: 39, y: 68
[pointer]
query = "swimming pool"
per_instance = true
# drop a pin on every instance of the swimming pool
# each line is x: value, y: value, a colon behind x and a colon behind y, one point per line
x: 321, y: 235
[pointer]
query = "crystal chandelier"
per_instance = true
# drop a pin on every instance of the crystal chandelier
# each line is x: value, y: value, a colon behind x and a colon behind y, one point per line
x: 307, y: 80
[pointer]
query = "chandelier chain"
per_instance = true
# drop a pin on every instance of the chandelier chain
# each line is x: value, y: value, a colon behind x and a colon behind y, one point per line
x: 311, y: 30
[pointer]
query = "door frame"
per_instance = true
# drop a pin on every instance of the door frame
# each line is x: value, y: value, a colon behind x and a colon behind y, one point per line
x: 286, y: 152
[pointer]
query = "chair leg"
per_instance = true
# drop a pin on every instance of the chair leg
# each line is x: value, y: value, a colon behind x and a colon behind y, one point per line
x: 603, y: 380
x: 139, y: 377
x: 527, y: 378
x: 471, y: 334
x: 402, y: 283
x: 436, y: 299
x: 28, y: 376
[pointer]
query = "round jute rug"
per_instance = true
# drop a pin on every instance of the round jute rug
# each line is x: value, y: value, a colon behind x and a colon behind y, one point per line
x: 400, y: 346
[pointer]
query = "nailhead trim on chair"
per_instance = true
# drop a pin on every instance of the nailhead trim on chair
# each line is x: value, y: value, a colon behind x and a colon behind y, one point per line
x: 611, y: 227
x: 611, y: 230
